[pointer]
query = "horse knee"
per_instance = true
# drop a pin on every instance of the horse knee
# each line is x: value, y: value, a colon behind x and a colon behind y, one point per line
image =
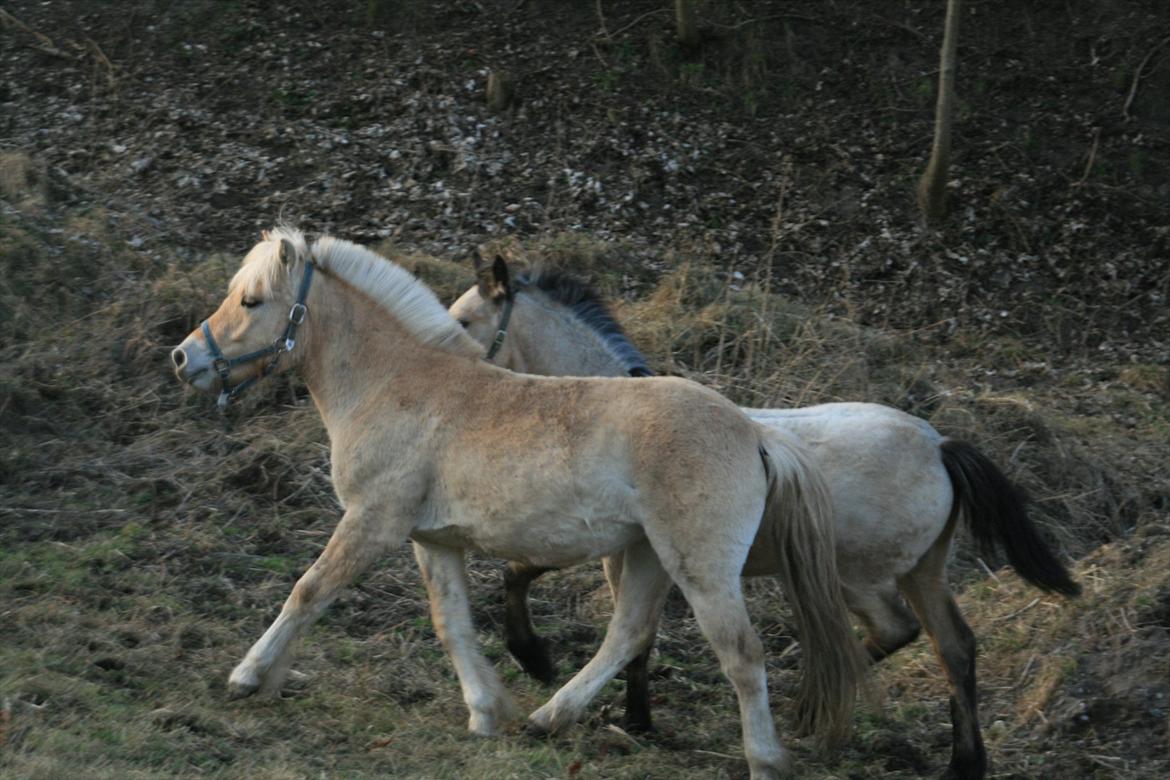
x: 742, y: 665
x: 304, y: 593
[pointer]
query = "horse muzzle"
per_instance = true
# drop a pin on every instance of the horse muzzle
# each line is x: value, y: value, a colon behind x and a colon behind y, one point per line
x: 191, y: 368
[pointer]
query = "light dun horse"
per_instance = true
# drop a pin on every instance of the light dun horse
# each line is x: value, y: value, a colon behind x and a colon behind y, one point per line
x: 430, y: 442
x: 898, y: 489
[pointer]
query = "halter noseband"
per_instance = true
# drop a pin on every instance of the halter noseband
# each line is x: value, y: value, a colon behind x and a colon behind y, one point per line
x: 286, y: 342
x: 501, y: 329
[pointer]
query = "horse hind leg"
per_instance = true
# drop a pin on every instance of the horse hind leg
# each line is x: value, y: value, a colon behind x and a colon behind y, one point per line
x: 637, y: 717
x: 889, y: 624
x: 529, y: 649
x: 926, y: 590
x: 723, y: 618
x: 642, y: 592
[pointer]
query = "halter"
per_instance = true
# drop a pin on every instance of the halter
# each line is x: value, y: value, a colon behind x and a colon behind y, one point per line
x: 286, y: 342
x: 501, y: 330
x: 502, y: 333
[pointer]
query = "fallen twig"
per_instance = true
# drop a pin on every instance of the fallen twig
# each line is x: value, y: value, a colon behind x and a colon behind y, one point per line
x: 45, y: 45
x: 1092, y: 157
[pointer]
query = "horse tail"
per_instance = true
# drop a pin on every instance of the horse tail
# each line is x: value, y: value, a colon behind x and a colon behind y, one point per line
x: 997, y: 517
x: 798, y: 517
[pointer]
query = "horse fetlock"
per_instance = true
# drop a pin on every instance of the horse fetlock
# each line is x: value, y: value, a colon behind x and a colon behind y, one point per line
x: 532, y: 653
x: 967, y: 765
x: 483, y: 724
x: 776, y: 766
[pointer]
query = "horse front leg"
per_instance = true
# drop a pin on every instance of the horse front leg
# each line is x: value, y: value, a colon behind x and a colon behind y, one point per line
x: 446, y: 580
x: 528, y: 648
x: 359, y: 539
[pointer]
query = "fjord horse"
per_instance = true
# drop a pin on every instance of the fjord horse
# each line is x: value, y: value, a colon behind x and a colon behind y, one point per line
x: 899, y: 490
x: 432, y: 443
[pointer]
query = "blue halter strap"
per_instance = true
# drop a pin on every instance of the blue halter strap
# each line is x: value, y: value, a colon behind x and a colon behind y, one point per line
x: 501, y: 329
x: 223, y: 365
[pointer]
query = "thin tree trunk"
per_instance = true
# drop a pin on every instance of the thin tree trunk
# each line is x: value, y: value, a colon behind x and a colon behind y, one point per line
x: 932, y: 187
x: 688, y: 31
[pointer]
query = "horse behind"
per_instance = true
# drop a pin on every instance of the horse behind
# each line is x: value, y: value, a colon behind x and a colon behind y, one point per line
x: 899, y: 489
x: 430, y: 442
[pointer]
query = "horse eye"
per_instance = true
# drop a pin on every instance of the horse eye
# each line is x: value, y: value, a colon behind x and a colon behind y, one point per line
x: 465, y: 323
x: 250, y: 303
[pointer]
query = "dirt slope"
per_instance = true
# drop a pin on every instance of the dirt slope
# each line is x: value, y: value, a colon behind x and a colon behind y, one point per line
x: 767, y: 247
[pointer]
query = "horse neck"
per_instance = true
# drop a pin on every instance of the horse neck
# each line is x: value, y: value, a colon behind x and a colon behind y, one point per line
x: 356, y: 351
x: 550, y: 339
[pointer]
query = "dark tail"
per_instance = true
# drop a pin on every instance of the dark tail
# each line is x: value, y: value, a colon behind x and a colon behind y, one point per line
x: 996, y: 516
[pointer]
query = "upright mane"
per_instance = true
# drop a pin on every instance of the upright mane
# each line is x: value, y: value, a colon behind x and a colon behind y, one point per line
x: 589, y: 307
x: 389, y: 285
x: 412, y: 303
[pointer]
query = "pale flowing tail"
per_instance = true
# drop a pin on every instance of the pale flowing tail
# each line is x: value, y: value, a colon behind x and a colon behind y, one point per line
x: 798, y: 518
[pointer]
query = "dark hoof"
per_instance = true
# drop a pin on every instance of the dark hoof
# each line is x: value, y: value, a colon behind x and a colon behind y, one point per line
x: 972, y: 770
x: 637, y: 724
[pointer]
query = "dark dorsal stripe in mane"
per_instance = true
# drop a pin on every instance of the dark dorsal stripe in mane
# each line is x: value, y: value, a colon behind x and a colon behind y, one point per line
x: 588, y: 306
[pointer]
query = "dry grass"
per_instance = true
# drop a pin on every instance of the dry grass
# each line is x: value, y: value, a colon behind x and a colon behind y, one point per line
x: 145, y: 541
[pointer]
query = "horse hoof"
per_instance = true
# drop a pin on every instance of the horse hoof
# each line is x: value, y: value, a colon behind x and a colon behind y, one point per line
x: 239, y: 690
x: 637, y: 725
x: 242, y: 683
x: 972, y: 771
x: 482, y: 725
x: 533, y: 729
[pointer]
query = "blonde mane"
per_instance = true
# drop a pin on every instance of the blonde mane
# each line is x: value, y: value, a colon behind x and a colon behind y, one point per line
x: 396, y: 290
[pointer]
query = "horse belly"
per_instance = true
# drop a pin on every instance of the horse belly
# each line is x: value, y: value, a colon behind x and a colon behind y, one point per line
x: 565, y: 540
x: 546, y: 540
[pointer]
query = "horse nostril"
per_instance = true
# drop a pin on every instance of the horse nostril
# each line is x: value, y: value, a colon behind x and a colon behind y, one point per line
x: 178, y: 357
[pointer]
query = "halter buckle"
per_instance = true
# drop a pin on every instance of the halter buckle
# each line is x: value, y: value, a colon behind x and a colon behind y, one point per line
x: 221, y: 365
x: 296, y: 315
x: 497, y: 342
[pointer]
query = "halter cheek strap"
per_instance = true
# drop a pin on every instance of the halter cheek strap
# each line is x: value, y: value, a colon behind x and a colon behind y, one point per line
x: 501, y: 330
x: 224, y: 365
x: 502, y: 333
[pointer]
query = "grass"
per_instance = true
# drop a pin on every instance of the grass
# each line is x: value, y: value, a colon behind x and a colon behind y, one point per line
x: 147, y: 541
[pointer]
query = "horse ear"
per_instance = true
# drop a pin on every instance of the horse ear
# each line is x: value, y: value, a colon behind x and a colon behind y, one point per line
x: 493, y: 282
x: 288, y: 252
x: 501, y: 277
